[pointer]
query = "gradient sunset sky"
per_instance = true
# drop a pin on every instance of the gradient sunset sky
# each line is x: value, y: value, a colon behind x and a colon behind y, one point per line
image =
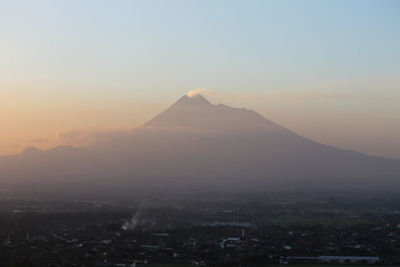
x: 328, y: 70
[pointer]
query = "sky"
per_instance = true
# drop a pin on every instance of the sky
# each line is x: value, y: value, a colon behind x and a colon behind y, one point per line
x: 328, y: 70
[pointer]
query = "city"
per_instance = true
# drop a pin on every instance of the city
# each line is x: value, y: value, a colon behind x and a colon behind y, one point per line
x: 213, y: 230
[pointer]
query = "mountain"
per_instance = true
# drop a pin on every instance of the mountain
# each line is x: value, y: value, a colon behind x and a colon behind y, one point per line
x: 195, y: 144
x: 197, y: 113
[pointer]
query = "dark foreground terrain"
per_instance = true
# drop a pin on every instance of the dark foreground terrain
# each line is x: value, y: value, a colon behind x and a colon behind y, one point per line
x: 162, y: 229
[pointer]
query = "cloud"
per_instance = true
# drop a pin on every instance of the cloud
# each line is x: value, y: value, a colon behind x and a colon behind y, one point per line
x: 84, y: 137
x: 40, y: 141
x: 201, y: 91
x: 9, y: 148
x: 71, y: 137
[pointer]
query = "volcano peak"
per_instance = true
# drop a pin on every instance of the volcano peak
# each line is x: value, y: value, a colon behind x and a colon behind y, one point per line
x: 193, y: 99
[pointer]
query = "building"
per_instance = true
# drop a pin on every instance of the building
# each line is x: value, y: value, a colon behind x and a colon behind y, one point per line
x: 334, y: 259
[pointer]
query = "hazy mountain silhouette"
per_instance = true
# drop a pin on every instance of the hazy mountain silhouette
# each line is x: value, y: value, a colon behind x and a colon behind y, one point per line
x: 196, y: 143
x: 197, y: 113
